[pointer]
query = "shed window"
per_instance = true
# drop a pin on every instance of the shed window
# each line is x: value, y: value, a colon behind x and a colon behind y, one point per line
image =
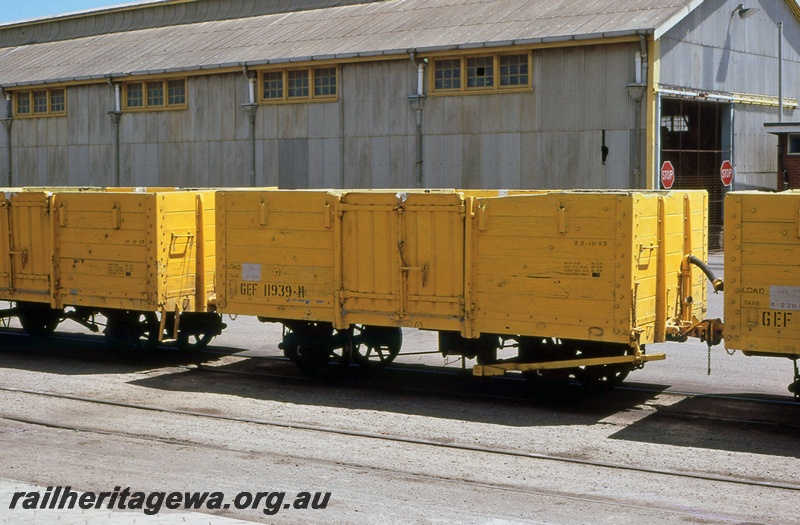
x: 155, y: 94
x: 273, y: 85
x: 24, y: 103
x: 793, y: 144
x: 176, y: 92
x: 325, y: 82
x: 299, y: 85
x: 514, y: 70
x: 480, y: 72
x: 58, y: 101
x: 40, y: 103
x: 484, y: 73
x: 447, y: 74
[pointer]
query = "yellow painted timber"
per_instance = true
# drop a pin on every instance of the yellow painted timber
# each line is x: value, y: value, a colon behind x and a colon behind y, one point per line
x: 403, y: 259
x: 134, y: 249
x: 276, y: 253
x: 26, y: 246
x: 585, y: 265
x: 762, y: 273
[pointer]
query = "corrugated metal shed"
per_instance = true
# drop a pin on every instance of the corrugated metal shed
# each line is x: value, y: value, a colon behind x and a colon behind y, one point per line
x: 374, y: 29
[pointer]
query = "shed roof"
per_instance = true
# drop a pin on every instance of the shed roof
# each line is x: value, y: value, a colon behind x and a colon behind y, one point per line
x: 384, y: 28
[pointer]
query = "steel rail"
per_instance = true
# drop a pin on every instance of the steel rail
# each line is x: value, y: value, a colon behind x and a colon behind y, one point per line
x: 413, y: 441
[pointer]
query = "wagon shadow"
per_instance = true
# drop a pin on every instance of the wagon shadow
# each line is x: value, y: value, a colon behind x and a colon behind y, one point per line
x: 413, y: 390
x: 81, y: 354
x: 731, y: 423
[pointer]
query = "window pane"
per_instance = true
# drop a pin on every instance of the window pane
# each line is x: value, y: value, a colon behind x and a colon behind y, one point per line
x: 176, y: 92
x: 794, y: 144
x: 273, y: 85
x: 447, y: 74
x: 325, y: 82
x: 57, y: 101
x: 298, y: 83
x: 135, y: 95
x: 480, y: 72
x: 514, y: 70
x: 40, y: 101
x: 23, y: 103
x: 155, y: 93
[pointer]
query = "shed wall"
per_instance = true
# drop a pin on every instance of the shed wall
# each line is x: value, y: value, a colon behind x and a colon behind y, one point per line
x: 552, y: 137
x: 715, y: 50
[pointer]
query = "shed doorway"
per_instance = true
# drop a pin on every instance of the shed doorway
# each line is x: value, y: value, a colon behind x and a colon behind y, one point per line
x: 696, y: 136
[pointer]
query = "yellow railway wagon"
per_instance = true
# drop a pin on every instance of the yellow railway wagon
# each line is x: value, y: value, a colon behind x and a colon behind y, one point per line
x: 762, y: 273
x: 586, y: 265
x: 344, y: 271
x: 147, y: 250
x: 128, y: 254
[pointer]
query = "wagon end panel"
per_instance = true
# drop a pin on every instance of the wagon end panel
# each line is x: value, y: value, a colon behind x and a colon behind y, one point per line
x: 546, y: 266
x: 403, y: 259
x: 276, y: 254
x: 762, y: 273
x: 182, y: 227
x: 208, y: 240
x: 26, y: 268
x: 666, y: 293
x: 107, y: 253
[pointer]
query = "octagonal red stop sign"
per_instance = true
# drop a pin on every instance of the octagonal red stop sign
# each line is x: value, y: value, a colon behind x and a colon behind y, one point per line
x: 667, y: 174
x: 726, y: 172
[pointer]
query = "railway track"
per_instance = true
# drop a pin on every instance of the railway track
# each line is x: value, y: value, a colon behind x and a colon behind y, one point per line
x: 367, y: 435
x: 572, y: 395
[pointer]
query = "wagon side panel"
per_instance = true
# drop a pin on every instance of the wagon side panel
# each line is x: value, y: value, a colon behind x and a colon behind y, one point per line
x: 276, y: 254
x: 108, y: 250
x: 545, y: 265
x: 403, y: 259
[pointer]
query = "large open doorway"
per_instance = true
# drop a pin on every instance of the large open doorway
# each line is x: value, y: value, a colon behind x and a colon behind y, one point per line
x: 696, y: 136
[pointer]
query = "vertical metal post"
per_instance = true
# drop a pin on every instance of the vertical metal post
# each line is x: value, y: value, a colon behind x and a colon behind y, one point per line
x: 780, y: 71
x: 251, y: 110
x: 116, y: 116
x: 251, y: 107
x: 8, y: 122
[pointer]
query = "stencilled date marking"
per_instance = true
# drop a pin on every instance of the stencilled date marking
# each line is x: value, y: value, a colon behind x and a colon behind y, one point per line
x: 590, y: 244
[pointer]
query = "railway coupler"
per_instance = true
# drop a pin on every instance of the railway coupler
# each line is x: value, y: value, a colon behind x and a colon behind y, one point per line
x: 710, y: 331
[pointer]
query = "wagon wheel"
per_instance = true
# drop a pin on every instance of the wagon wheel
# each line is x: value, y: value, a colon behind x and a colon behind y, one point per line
x: 130, y: 331
x: 193, y: 342
x: 195, y: 330
x: 375, y: 346
x: 608, y: 375
x: 38, y: 318
x: 309, y: 345
x: 313, y: 361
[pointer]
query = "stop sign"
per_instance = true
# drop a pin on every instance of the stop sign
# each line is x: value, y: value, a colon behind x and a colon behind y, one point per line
x: 667, y: 174
x: 726, y: 172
